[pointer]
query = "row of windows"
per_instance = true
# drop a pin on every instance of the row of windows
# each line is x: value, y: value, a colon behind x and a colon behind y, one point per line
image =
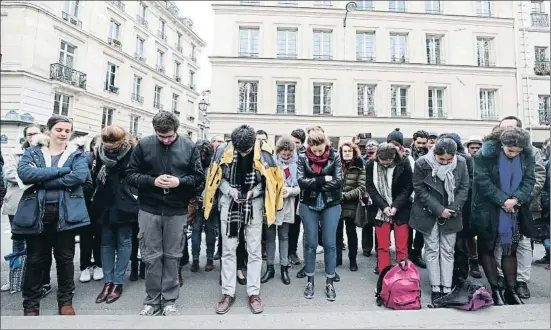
x: 249, y: 46
x: 366, y: 100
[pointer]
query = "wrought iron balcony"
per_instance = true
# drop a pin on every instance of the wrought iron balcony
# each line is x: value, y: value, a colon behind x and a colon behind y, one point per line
x: 248, y: 54
x: 115, y: 43
x: 142, y: 21
x: 489, y: 116
x: 118, y: 4
x: 364, y: 58
x: 194, y: 57
x: 540, y: 20
x: 287, y: 55
x: 160, y: 68
x: 399, y: 59
x: 544, y: 117
x: 541, y: 68
x: 400, y: 114
x: 71, y: 19
x: 111, y: 88
x: 68, y: 75
x: 158, y: 105
x: 137, y: 97
x: 139, y: 57
x: 161, y: 35
x: 178, y: 47
x: 437, y: 114
x: 367, y: 113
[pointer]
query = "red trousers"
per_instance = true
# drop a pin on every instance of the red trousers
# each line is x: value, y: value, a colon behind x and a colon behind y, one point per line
x: 401, y: 235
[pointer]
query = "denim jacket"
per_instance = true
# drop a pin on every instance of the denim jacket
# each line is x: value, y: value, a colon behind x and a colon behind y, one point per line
x: 70, y: 178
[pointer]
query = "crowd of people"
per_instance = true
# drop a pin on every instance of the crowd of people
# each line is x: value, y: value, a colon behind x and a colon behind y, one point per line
x: 131, y: 202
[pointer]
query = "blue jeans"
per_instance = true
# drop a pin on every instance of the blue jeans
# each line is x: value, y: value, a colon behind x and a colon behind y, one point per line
x: 329, y: 219
x: 211, y: 227
x: 546, y: 244
x: 115, y: 240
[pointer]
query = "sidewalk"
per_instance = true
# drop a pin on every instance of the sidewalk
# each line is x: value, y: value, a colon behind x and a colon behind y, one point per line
x: 506, y: 317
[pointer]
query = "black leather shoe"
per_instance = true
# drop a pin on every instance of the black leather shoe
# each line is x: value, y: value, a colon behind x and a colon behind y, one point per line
x: 475, y: 269
x: 294, y: 259
x: 353, y: 265
x: 330, y: 293
x: 241, y: 281
x: 435, y: 295
x: 302, y: 272
x: 309, y: 290
x: 285, y: 275
x: 522, y: 290
x: 269, y: 274
x: 367, y: 254
x: 376, y: 270
x: 511, y: 298
x: 542, y: 261
x: 337, y: 278
x: 497, y: 297
x: 501, y: 283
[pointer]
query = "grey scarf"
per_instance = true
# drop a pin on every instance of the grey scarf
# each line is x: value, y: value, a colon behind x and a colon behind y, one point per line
x: 109, y: 160
x: 444, y: 173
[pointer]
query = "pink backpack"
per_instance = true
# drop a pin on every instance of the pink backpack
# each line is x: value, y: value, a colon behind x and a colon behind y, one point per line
x: 399, y: 287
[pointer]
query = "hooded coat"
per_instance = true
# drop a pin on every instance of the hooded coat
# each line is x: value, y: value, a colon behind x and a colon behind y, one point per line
x: 71, y: 178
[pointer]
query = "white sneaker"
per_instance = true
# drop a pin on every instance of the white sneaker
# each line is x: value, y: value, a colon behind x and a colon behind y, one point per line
x: 149, y: 310
x: 85, y: 275
x: 98, y: 274
x: 170, y: 310
x: 5, y: 287
x: 319, y: 249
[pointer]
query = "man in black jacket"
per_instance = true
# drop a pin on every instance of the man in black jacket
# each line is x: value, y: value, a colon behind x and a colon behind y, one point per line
x: 165, y: 168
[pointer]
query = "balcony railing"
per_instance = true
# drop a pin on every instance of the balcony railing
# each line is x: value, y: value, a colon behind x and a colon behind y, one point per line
x: 158, y: 105
x: 540, y: 20
x: 291, y: 56
x: 486, y: 63
x: 177, y: 78
x: 68, y: 75
x: 435, y: 61
x: 178, y: 47
x: 400, y: 114
x: 111, y: 88
x: 160, y: 68
x: 437, y: 114
x: 322, y: 57
x: 71, y: 19
x: 193, y: 57
x: 248, y: 54
x: 366, y: 113
x: 541, y: 68
x: 399, y: 59
x: 115, y: 43
x: 118, y: 4
x: 544, y: 117
x: 489, y: 116
x: 364, y: 58
x: 161, y: 35
x: 139, y: 57
x: 137, y: 97
x: 142, y: 21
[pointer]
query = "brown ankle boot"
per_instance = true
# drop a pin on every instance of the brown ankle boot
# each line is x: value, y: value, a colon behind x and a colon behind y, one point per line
x: 66, y: 310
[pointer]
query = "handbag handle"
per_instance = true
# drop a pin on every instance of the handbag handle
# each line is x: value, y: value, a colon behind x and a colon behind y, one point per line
x: 404, y: 264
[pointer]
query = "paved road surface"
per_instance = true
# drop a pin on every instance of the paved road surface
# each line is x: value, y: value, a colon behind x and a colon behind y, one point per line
x: 201, y: 292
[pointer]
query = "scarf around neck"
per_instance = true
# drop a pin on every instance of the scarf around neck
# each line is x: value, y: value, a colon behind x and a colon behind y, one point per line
x: 317, y: 162
x: 510, y: 177
x: 109, y: 160
x: 382, y: 180
x: 444, y: 173
x: 291, y: 164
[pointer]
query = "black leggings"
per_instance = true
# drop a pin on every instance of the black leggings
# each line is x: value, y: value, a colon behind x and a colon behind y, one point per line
x: 489, y: 264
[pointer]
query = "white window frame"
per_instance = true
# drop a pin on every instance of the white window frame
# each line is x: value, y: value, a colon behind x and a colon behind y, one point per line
x: 64, y: 54
x: 436, y: 97
x: 175, y: 102
x: 434, y: 48
x: 284, y: 38
x: 140, y: 46
x: 160, y: 59
x: 111, y: 75
x: 364, y: 5
x: 157, y: 96
x: 538, y: 7
x: 484, y: 8
x: 72, y: 7
x: 162, y: 27
x: 286, y: 102
x: 399, y: 101
x: 114, y: 29
x: 137, y: 85
x: 365, y: 46
x: 248, y: 105
x: 134, y: 124
x: 251, y: 37
x: 107, y: 117
x: 433, y: 7
x: 366, y: 99
x: 487, y: 58
x: 399, y: 51
x: 325, y: 38
x: 177, y: 66
x: 326, y: 99
x: 397, y: 6
x: 488, y: 109
x: 142, y: 10
x: 190, y: 108
x: 62, y: 99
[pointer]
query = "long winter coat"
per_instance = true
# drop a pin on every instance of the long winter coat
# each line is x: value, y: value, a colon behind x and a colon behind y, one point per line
x: 488, y: 198
x: 401, y: 191
x: 431, y: 199
x: 353, y: 187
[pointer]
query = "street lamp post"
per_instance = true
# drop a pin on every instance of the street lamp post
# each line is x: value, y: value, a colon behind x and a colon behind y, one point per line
x: 351, y: 6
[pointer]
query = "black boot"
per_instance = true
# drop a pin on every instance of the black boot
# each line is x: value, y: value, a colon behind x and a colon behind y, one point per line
x: 309, y: 289
x: 302, y: 272
x: 475, y: 269
x: 269, y: 274
x: 497, y: 296
x: 133, y: 271
x: 511, y: 298
x: 142, y: 270
x: 353, y: 265
x: 285, y: 275
x: 337, y: 278
x: 330, y: 293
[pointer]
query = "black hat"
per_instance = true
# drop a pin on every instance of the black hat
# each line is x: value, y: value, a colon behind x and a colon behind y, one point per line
x: 397, y: 136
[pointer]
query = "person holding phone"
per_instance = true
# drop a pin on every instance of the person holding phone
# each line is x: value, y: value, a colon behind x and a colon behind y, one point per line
x: 441, y: 186
x: 166, y: 168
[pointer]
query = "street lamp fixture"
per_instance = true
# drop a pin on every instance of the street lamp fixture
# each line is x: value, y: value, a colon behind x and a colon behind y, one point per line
x: 203, y: 105
x: 351, y: 6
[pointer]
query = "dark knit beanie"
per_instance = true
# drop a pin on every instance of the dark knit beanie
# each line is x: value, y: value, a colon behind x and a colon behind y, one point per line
x: 243, y: 138
x: 397, y: 136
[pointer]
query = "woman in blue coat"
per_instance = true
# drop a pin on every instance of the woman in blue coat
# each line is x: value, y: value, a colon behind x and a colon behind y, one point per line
x: 50, y: 210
